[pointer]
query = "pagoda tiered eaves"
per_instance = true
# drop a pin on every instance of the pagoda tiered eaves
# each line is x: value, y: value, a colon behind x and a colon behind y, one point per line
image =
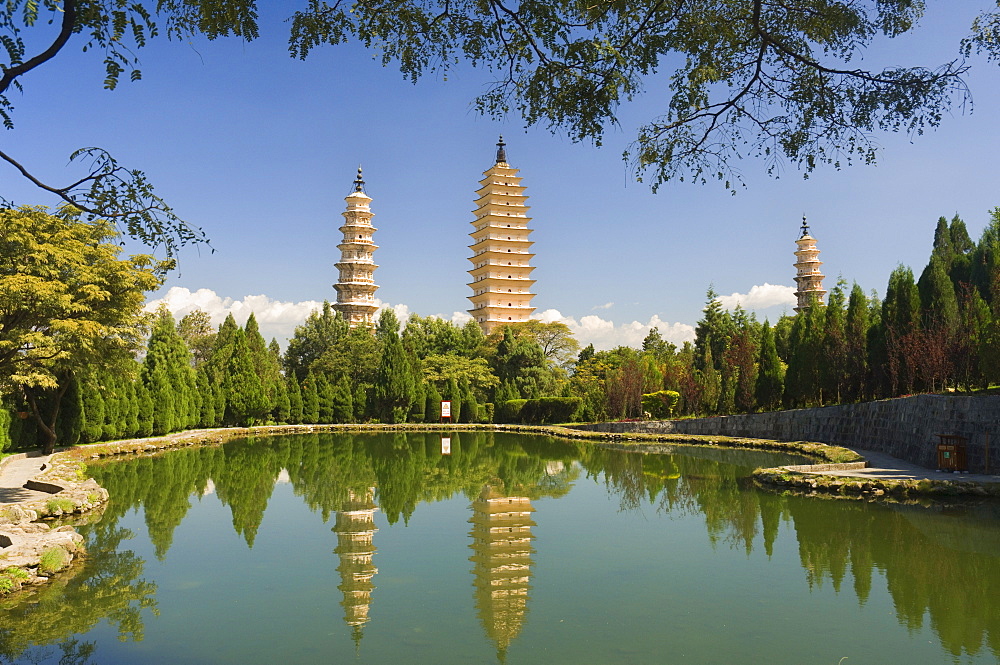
x: 501, y: 270
x: 356, y: 281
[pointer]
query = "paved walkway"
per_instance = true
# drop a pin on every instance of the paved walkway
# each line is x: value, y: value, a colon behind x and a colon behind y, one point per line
x: 887, y: 467
x: 15, y: 472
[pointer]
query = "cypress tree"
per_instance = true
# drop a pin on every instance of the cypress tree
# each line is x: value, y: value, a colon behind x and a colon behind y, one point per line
x: 6, y: 418
x: 470, y: 408
x: 93, y: 412
x: 454, y: 394
x: 162, y: 396
x: 69, y: 426
x: 361, y: 402
x: 246, y: 402
x: 282, y: 405
x: 770, y: 376
x: 938, y: 303
x: 900, y: 320
x: 310, y: 400
x: 294, y: 400
x: 131, y: 408
x: 324, y: 394
x: 834, y: 345
x: 145, y: 412
x: 419, y: 404
x: 114, y: 408
x: 169, y: 376
x: 432, y: 404
x: 342, y: 402
x: 393, y: 389
x: 219, y: 398
x: 856, y: 326
x: 206, y: 416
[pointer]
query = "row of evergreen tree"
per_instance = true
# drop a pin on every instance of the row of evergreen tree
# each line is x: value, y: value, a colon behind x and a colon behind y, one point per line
x: 938, y: 332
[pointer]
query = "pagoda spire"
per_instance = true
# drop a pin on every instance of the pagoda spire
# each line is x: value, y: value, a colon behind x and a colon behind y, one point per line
x: 356, y: 281
x: 808, y: 278
x: 501, y: 249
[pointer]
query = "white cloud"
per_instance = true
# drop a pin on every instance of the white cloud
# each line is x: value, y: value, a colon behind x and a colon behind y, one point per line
x: 402, y: 311
x: 276, y: 319
x: 607, y: 305
x: 760, y: 297
x: 460, y: 318
x: 605, y: 334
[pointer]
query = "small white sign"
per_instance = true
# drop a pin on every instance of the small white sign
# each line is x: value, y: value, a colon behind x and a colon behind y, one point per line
x: 446, y: 445
x: 446, y: 409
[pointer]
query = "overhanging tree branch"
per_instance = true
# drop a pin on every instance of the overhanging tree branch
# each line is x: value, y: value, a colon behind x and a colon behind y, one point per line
x: 67, y: 28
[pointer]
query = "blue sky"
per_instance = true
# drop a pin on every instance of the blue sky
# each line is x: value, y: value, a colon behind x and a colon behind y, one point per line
x: 259, y: 150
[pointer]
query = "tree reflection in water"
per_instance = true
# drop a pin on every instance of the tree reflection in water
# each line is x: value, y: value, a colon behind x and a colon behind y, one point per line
x: 941, y: 565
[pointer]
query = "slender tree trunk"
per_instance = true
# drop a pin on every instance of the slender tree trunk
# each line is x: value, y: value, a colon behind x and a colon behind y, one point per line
x: 47, y: 428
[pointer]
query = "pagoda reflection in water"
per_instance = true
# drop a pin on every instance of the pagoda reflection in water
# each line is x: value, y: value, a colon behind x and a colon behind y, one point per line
x: 501, y: 545
x: 355, y: 529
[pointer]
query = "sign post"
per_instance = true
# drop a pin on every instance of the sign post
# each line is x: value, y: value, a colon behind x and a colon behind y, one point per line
x: 445, y: 410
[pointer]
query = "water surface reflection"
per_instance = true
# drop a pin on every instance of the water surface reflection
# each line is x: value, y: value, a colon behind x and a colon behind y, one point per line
x: 939, y: 566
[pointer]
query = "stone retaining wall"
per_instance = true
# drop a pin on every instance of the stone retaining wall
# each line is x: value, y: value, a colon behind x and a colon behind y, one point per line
x: 905, y: 427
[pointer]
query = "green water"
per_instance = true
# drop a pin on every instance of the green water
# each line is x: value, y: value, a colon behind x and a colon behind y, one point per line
x: 515, y: 549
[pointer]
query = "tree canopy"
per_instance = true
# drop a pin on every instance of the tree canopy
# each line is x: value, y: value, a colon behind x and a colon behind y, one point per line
x: 742, y: 78
x: 66, y: 300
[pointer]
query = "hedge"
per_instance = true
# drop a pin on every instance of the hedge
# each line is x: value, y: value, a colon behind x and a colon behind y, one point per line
x: 539, y: 411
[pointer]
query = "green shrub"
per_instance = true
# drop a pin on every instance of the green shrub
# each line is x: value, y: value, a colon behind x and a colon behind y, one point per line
x: 661, y: 404
x: 509, y: 411
x: 15, y: 573
x: 6, y: 585
x: 53, y: 560
x: 60, y: 506
x: 539, y: 411
x: 486, y: 413
x: 5, y: 420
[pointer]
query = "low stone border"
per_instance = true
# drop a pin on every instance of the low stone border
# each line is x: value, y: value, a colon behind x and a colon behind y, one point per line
x: 32, y: 551
x: 631, y: 441
x: 799, y: 479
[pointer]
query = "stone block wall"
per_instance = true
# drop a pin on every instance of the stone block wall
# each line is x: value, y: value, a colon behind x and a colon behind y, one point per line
x: 905, y: 427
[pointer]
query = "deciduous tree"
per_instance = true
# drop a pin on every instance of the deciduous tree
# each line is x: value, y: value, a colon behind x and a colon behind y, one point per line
x: 66, y: 301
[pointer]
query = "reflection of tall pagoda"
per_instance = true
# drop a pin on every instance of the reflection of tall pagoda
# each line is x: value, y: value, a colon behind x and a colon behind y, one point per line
x: 355, y: 528
x: 501, y: 544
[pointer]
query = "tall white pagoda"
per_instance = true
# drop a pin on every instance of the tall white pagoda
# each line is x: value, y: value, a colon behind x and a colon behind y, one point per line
x: 808, y: 278
x: 501, y: 251
x: 356, y: 284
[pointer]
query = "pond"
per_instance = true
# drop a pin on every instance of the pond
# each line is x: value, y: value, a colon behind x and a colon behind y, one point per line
x: 502, y: 548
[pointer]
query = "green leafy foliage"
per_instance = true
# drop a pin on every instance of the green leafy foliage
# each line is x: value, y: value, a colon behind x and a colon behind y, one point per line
x: 661, y: 404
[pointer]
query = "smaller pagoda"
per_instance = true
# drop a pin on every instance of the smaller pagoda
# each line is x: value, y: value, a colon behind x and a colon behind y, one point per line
x: 356, y: 284
x: 808, y: 278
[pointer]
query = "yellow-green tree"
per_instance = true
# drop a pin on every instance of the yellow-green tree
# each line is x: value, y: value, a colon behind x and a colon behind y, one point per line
x: 66, y: 301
